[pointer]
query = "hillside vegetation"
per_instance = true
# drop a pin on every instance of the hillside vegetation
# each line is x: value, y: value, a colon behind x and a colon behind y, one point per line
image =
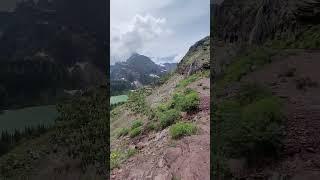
x: 263, y: 85
x: 156, y: 120
x: 74, y: 146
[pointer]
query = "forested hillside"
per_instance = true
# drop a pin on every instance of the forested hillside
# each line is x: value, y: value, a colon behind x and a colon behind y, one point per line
x: 74, y: 148
x: 45, y: 46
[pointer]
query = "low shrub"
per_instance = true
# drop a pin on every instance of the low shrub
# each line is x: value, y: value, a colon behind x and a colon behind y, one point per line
x: 163, y: 107
x: 168, y: 117
x: 123, y: 132
x: 135, y: 132
x: 250, y: 92
x: 136, y: 124
x: 187, y: 101
x: 181, y: 129
x: 253, y: 131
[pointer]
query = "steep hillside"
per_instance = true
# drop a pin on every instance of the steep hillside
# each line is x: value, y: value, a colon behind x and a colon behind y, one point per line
x: 74, y: 148
x: 265, y: 89
x: 257, y: 21
x: 238, y: 24
x: 158, y: 130
x: 197, y: 58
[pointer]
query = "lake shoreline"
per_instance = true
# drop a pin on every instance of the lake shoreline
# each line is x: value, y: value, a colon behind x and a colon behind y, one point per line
x: 19, y: 119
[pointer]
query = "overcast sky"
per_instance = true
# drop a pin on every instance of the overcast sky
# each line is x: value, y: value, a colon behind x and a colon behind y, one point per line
x: 161, y: 29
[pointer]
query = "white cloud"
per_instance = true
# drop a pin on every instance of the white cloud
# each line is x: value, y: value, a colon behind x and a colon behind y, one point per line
x: 132, y: 29
x: 139, y: 32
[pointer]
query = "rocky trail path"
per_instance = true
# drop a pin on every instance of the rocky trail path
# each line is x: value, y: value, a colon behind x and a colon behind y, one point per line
x: 161, y: 158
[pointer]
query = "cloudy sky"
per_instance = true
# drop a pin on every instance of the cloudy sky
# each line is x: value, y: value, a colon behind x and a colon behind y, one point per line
x: 161, y: 29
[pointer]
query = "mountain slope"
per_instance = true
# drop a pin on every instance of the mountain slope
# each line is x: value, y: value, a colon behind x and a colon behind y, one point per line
x: 156, y: 154
x: 265, y: 54
x: 197, y: 58
x: 74, y: 148
x: 37, y: 41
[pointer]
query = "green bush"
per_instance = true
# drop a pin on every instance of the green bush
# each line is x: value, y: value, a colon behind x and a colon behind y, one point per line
x: 253, y: 131
x: 163, y: 107
x: 168, y: 117
x: 123, y: 132
x: 249, y: 124
x: 181, y: 129
x: 250, y: 92
x: 186, y: 101
x: 136, y: 124
x: 135, y: 132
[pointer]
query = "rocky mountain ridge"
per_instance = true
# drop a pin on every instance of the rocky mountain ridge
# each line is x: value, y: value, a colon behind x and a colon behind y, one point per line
x: 136, y: 71
x: 197, y: 58
x: 257, y: 21
x: 239, y: 24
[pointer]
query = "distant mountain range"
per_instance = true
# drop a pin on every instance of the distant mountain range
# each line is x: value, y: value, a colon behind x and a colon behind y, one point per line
x: 136, y: 71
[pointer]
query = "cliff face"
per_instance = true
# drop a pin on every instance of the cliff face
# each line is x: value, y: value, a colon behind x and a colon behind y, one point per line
x: 197, y: 58
x: 256, y: 21
x: 237, y: 24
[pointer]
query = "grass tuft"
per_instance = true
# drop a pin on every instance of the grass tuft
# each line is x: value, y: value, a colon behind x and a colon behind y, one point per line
x: 123, y: 132
x: 135, y: 132
x: 181, y: 129
x: 136, y: 123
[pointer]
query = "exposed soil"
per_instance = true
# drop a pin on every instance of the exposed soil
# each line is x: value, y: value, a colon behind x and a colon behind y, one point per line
x: 164, y: 92
x: 162, y: 158
x: 296, y: 80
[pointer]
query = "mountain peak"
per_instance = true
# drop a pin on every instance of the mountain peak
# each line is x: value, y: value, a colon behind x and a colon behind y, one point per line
x: 135, y: 54
x: 138, y: 58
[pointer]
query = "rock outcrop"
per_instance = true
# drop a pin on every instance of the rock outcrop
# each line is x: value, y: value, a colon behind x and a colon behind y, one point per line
x: 197, y: 58
x: 236, y: 24
x: 257, y: 21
